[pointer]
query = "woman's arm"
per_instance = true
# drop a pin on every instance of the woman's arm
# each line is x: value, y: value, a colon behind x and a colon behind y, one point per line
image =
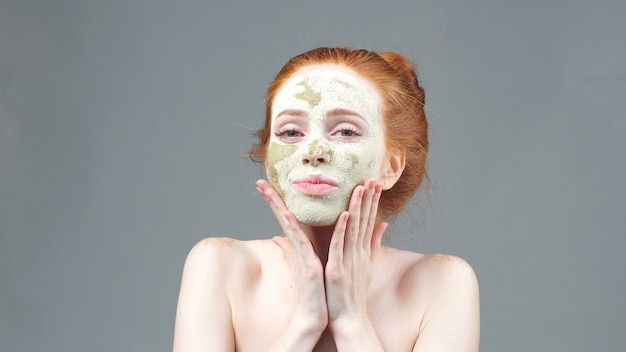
x: 203, y: 316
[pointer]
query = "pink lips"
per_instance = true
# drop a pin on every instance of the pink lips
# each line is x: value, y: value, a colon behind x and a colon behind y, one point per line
x: 315, y: 185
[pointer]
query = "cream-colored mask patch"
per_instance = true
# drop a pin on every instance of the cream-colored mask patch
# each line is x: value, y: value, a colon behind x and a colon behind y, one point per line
x: 330, y: 113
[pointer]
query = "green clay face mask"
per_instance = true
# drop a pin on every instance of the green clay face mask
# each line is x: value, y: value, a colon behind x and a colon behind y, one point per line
x: 327, y: 138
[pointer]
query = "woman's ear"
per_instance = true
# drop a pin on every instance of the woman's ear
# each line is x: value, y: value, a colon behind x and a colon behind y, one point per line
x: 393, y: 168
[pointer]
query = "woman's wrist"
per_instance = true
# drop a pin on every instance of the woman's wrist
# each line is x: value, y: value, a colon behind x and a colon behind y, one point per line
x: 348, y: 324
x: 309, y: 324
x: 355, y: 331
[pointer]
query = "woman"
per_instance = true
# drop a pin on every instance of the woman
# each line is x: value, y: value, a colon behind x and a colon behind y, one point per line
x: 344, y: 146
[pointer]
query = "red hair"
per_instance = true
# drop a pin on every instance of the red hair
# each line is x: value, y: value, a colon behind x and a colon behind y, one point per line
x: 402, y: 110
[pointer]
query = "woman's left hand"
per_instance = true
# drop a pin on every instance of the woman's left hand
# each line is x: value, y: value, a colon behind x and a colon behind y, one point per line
x: 354, y: 247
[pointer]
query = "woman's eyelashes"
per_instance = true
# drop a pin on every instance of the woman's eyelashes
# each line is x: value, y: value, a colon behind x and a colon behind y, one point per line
x: 289, y: 131
x: 346, y: 132
x: 289, y: 135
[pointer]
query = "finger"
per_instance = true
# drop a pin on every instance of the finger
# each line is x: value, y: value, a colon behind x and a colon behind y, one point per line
x: 286, y: 249
x: 372, y: 215
x: 353, y: 226
x: 290, y: 225
x: 335, y: 251
x: 283, y: 243
x: 287, y: 221
x: 364, y: 236
x: 262, y: 184
x: 274, y: 201
x: 268, y: 192
x: 298, y: 239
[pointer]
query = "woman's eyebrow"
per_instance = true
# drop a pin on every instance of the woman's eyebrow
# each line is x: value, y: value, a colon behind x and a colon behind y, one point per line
x: 344, y: 112
x: 293, y: 112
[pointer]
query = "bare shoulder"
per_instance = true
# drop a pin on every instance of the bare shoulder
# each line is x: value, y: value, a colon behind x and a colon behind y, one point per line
x: 446, y: 295
x: 447, y: 278
x: 213, y: 276
x: 210, y: 252
x: 432, y: 270
x: 214, y: 251
x: 213, y: 246
x: 444, y: 269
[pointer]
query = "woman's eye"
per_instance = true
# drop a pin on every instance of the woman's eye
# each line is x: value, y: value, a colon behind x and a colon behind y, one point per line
x: 289, y: 133
x: 346, y: 133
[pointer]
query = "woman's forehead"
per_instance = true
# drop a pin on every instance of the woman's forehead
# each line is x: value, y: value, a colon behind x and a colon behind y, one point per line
x: 337, y: 72
x: 327, y: 84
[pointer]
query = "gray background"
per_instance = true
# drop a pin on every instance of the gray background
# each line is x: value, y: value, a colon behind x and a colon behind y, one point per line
x: 123, y: 126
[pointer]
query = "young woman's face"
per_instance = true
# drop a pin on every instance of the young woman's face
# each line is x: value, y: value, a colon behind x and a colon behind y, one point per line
x: 327, y: 138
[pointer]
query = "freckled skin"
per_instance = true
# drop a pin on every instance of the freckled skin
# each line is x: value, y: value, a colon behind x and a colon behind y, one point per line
x: 309, y: 94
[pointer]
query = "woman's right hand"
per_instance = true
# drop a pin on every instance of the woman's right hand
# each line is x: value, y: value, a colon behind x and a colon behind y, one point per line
x: 310, y: 311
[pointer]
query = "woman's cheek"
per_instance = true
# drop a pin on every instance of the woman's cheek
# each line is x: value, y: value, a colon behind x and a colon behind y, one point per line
x: 359, y: 162
x: 280, y: 159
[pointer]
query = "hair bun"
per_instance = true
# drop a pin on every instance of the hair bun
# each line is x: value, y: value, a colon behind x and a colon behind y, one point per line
x: 404, y: 67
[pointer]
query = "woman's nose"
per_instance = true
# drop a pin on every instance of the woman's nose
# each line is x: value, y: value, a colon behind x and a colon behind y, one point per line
x: 314, y: 159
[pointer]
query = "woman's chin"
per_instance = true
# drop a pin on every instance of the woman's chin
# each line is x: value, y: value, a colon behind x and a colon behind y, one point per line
x: 316, y: 219
x: 316, y: 211
x: 317, y: 214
